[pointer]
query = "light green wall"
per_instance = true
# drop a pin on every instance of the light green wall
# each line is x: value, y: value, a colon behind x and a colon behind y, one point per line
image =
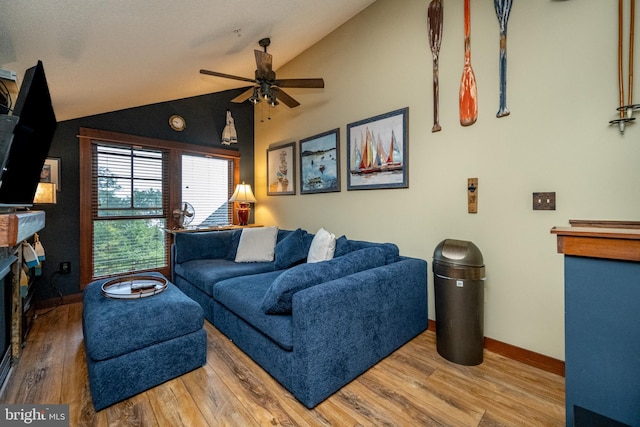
x: 562, y: 91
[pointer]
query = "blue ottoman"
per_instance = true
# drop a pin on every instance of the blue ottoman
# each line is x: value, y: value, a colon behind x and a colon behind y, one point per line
x: 133, y: 345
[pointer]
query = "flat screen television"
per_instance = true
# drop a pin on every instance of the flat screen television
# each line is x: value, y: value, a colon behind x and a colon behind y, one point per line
x: 26, y: 149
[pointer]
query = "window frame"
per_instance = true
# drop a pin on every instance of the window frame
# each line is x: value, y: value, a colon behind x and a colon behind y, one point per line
x: 175, y: 151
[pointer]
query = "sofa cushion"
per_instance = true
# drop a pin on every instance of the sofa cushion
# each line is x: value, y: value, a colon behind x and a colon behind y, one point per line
x: 291, y: 249
x: 243, y: 296
x: 233, y: 247
x: 322, y: 247
x: 202, y: 245
x: 257, y: 244
x: 342, y: 246
x: 277, y: 299
x: 204, y: 273
x: 391, y: 251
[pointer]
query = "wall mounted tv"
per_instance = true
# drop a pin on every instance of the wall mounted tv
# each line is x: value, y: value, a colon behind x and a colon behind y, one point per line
x: 23, y: 151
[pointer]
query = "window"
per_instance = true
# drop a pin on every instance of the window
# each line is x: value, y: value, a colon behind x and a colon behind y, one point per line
x: 129, y: 209
x: 130, y: 188
x: 207, y: 184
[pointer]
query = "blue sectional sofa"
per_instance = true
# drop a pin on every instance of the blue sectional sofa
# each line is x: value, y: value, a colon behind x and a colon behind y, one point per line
x: 313, y: 326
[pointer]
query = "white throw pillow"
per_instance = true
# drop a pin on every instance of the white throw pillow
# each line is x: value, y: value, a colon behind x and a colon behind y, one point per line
x: 257, y: 244
x: 322, y: 247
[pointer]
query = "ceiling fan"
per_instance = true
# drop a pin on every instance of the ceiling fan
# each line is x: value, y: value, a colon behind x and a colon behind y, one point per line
x: 267, y: 87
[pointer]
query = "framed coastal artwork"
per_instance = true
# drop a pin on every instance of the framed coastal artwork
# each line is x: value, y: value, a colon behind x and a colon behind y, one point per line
x: 377, y: 152
x: 320, y: 163
x: 281, y: 166
x: 51, y: 171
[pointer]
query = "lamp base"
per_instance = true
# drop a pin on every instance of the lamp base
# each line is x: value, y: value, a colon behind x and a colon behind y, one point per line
x: 243, y: 214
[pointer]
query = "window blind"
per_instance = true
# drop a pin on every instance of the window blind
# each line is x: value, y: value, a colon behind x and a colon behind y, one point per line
x: 207, y: 184
x: 129, y: 209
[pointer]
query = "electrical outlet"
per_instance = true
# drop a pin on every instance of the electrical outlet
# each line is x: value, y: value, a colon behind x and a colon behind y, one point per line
x: 65, y: 267
x: 544, y: 201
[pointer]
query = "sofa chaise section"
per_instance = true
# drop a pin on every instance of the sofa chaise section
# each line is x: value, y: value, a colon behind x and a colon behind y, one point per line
x: 339, y: 329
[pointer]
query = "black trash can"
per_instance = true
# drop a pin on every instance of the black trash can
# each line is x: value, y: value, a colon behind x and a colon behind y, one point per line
x: 458, y: 271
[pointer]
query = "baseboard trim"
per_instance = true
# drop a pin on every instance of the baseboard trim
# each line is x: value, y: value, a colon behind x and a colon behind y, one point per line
x: 525, y: 356
x: 52, y: 302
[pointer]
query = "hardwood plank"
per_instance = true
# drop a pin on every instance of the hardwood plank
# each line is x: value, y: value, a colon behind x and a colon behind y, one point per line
x: 427, y: 405
x: 174, y: 406
x: 136, y: 411
x: 234, y: 368
x: 413, y: 386
x: 500, y: 402
x: 217, y: 404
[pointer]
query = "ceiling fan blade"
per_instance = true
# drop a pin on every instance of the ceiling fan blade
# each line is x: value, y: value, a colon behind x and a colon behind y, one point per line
x: 243, y: 96
x: 284, y: 97
x: 304, y: 83
x: 226, y: 76
x: 264, y: 65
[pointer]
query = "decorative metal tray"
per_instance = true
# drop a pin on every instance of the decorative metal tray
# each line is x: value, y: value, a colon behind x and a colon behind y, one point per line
x: 134, y: 287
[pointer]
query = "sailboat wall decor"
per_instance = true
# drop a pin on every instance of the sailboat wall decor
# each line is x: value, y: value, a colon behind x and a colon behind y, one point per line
x: 281, y: 165
x: 377, y: 152
x: 320, y: 163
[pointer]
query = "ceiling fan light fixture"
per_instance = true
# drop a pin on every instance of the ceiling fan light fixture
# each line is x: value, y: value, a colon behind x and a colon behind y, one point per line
x: 254, y: 99
x: 267, y: 87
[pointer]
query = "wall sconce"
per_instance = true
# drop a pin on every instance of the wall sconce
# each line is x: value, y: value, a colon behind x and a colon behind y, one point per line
x: 45, y: 194
x: 229, y: 135
x: 244, y: 197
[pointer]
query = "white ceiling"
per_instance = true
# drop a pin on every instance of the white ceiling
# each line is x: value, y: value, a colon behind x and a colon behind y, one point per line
x: 106, y: 55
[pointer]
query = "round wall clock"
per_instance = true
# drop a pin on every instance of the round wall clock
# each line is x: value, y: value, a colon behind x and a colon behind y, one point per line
x: 177, y: 122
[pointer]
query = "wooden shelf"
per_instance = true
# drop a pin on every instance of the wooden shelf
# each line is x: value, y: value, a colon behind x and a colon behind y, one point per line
x: 18, y: 226
x: 617, y: 240
x: 214, y: 228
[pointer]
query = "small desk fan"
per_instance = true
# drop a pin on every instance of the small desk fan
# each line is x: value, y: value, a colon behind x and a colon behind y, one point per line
x: 184, y: 215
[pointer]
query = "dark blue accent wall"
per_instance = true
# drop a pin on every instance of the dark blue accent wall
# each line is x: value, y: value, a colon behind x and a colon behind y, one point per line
x: 205, y: 118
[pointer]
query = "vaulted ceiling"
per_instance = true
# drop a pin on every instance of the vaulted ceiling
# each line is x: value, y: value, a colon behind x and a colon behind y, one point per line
x: 106, y: 55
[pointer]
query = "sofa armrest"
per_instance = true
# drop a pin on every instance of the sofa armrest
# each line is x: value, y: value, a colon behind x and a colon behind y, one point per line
x: 343, y: 327
x: 202, y: 245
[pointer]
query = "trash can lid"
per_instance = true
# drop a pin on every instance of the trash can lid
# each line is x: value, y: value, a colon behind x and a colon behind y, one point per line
x: 458, y: 253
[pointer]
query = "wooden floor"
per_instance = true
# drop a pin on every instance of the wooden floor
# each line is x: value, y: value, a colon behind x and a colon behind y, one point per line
x: 413, y: 386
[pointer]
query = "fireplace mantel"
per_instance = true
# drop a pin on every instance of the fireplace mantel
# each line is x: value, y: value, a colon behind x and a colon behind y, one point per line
x: 18, y: 226
x: 618, y: 240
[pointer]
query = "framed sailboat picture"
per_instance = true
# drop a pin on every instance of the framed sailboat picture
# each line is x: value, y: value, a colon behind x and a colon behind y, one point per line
x: 320, y: 163
x: 377, y: 152
x: 281, y: 167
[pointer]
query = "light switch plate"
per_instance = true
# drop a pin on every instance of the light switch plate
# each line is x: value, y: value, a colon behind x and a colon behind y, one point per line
x: 544, y: 201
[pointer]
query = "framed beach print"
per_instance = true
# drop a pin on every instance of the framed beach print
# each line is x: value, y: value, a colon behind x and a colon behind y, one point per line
x: 320, y: 163
x: 378, y: 155
x: 281, y: 167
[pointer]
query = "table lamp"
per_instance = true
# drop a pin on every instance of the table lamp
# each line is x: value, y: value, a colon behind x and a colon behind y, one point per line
x: 45, y: 194
x: 244, y: 197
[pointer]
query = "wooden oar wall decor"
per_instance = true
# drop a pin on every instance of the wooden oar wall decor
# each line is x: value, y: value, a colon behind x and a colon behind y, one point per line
x: 435, y: 15
x: 468, y: 89
x: 468, y: 97
x: 503, y: 10
x: 630, y: 107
